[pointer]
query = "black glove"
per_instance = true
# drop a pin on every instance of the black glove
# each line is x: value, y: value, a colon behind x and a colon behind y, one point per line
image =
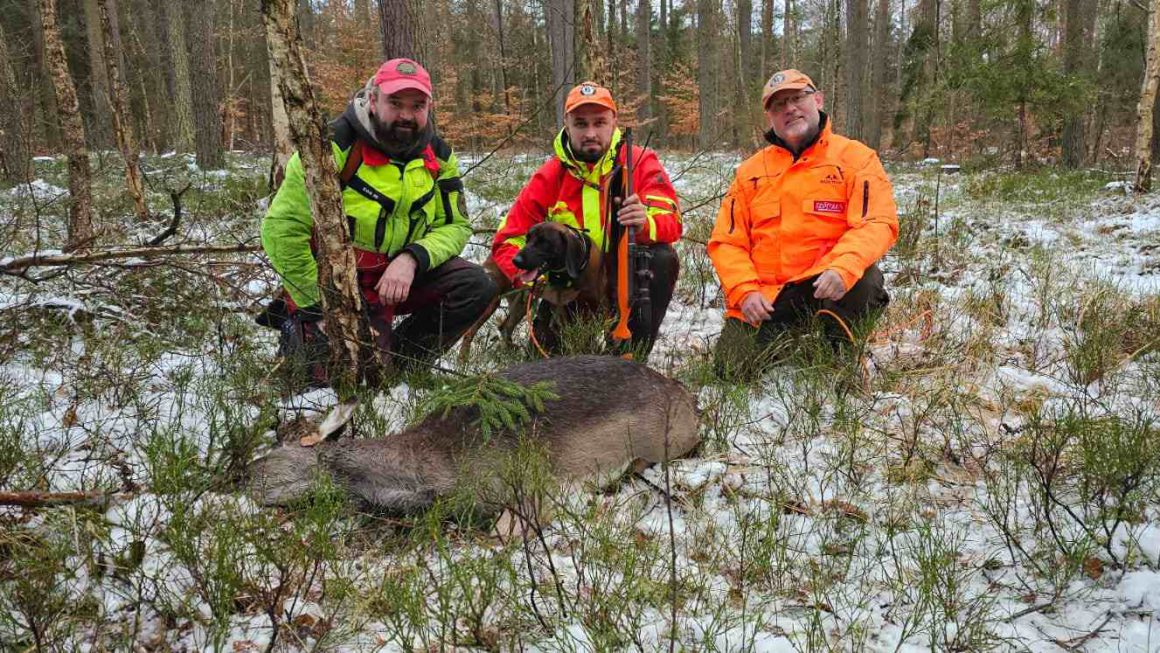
x: 312, y: 313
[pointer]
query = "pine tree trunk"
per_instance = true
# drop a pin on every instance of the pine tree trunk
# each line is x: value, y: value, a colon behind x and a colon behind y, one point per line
x: 144, y: 38
x: 99, y: 108
x: 590, y: 56
x: 207, y: 117
x: 766, y: 38
x: 707, y: 73
x: 743, y: 108
x: 399, y: 29
x: 15, y: 130
x: 47, y: 127
x: 122, y: 130
x: 974, y: 25
x: 1074, y: 56
x: 341, y: 299
x: 562, y: 47
x: 789, y: 40
x: 1146, y: 107
x: 503, y: 61
x: 80, y: 220
x: 179, y: 85
x: 878, y: 83
x: 856, y: 58
x: 229, y: 105
x: 644, y: 59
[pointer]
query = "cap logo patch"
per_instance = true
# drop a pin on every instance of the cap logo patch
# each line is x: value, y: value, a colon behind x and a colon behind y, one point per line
x: 776, y: 79
x: 406, y: 68
x: 587, y: 90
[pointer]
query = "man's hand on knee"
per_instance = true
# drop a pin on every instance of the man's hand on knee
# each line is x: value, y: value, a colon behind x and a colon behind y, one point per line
x: 756, y: 308
x: 395, y: 284
x: 829, y: 285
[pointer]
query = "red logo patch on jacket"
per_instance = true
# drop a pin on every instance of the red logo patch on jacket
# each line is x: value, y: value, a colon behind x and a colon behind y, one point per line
x: 829, y: 206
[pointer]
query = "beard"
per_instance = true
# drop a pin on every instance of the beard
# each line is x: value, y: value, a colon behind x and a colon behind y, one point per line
x: 400, y: 134
x: 584, y: 154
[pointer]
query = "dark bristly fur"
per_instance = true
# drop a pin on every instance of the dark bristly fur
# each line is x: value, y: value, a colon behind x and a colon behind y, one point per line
x: 549, y: 246
x: 611, y: 413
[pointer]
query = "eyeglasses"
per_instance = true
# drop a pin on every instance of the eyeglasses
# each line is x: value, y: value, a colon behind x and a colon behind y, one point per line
x: 797, y: 99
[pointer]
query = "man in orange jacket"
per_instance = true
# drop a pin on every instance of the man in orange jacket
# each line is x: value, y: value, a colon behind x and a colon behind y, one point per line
x: 801, y: 227
x: 569, y: 188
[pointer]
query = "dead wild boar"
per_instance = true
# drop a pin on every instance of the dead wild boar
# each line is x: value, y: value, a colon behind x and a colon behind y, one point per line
x: 610, y: 414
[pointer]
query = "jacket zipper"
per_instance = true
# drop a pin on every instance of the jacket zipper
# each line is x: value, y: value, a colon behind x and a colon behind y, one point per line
x: 865, y: 197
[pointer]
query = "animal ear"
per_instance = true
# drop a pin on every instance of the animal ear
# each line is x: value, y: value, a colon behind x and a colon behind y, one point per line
x: 573, y: 255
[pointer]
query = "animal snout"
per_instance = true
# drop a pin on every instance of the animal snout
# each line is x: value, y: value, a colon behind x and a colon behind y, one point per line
x: 526, y: 260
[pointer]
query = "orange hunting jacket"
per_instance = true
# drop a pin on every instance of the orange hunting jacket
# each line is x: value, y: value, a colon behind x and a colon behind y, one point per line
x: 787, y: 219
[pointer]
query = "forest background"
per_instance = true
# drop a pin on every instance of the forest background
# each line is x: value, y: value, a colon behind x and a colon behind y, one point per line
x: 988, y: 81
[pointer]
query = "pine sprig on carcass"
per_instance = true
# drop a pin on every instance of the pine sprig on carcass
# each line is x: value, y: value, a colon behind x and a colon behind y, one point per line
x: 501, y: 404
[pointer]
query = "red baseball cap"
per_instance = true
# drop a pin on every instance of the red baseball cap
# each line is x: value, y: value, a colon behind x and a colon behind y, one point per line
x: 400, y: 74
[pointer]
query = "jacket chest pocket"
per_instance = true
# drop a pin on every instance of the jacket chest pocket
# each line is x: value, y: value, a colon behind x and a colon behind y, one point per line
x: 419, y: 217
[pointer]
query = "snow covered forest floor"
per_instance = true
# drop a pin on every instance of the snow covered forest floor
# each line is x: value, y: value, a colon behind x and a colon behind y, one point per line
x: 986, y: 476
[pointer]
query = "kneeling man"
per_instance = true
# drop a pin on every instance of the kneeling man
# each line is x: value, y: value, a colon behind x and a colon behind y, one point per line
x: 570, y: 189
x: 800, y: 229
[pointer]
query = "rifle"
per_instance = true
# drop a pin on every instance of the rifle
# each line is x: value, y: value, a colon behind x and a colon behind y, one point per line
x: 625, y: 251
x: 633, y: 267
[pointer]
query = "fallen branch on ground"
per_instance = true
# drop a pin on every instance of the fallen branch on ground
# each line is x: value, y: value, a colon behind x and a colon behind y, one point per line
x: 49, y: 499
x: 22, y: 263
x: 175, y: 196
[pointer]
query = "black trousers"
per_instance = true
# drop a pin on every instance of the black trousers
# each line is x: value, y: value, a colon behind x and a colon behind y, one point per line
x: 744, y: 348
x: 442, y: 304
x: 665, y: 268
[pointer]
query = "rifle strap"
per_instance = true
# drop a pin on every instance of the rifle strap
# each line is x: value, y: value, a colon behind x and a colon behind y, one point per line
x: 353, y: 162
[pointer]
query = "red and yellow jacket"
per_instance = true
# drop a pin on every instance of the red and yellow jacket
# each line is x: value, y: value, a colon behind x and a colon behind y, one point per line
x: 787, y: 219
x: 568, y: 191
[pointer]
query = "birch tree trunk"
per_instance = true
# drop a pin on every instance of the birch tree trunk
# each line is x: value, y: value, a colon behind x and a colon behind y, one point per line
x: 341, y: 300
x: 280, y: 126
x: 15, y: 130
x: 1147, y: 103
x: 80, y: 218
x: 122, y: 130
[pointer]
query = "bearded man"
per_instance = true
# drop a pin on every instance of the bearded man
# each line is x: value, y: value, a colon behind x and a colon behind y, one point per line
x: 407, y: 214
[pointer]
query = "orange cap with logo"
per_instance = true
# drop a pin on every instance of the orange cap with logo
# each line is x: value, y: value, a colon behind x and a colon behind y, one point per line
x: 589, y: 93
x: 785, y: 80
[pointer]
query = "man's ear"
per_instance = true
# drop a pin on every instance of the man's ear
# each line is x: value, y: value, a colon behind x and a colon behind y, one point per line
x: 573, y: 255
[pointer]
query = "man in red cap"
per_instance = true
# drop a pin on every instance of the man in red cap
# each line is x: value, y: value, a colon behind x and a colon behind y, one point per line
x: 405, y: 206
x: 800, y: 230
x: 569, y: 188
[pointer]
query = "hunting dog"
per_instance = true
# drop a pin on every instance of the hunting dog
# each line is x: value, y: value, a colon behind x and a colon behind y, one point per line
x: 611, y: 415
x: 575, y: 273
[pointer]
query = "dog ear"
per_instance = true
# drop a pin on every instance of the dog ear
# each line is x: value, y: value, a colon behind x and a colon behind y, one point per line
x: 574, y: 255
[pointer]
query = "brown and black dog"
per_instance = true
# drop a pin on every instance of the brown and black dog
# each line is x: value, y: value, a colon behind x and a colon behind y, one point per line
x: 575, y: 273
